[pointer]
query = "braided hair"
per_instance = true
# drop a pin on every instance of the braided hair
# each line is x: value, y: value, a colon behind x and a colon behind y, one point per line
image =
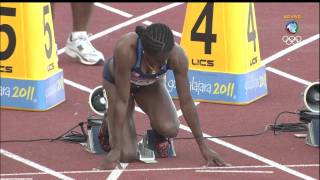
x: 156, y: 38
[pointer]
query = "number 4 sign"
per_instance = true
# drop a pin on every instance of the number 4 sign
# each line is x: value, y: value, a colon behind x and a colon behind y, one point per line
x: 222, y: 45
x: 221, y: 37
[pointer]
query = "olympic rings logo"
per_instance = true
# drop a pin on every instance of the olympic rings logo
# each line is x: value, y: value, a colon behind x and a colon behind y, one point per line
x: 290, y: 40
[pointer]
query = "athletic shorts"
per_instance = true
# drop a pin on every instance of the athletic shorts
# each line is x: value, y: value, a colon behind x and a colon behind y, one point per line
x: 108, y: 77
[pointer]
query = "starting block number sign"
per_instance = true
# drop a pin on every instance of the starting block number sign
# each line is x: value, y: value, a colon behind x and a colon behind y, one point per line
x: 27, y: 48
x: 221, y: 37
x: 222, y: 45
x: 30, y: 77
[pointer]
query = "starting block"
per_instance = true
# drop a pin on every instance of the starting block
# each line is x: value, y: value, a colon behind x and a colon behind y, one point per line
x: 149, y: 142
x: 30, y: 76
x: 146, y: 149
x: 222, y: 45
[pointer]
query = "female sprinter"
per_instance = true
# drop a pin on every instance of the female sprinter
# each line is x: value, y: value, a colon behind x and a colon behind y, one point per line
x: 135, y: 74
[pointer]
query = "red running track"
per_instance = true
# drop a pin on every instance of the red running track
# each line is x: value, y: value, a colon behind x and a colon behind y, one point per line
x: 283, y: 94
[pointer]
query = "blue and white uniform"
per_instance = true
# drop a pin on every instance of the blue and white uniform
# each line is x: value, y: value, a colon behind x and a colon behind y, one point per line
x: 138, y: 78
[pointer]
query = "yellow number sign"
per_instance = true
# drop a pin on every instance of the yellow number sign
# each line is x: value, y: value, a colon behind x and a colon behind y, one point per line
x: 30, y: 77
x: 222, y: 45
x: 221, y: 37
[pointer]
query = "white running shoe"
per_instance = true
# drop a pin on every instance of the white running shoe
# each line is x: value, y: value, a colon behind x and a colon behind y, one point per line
x: 79, y: 45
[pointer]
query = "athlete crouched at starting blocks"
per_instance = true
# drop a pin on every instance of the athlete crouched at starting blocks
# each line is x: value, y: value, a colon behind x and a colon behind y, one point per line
x: 135, y: 74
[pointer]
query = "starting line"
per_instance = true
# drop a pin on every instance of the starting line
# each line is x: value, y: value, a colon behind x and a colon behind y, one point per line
x: 231, y: 169
x: 34, y: 165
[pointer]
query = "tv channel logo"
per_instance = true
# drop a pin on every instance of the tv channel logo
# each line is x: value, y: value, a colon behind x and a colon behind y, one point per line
x: 292, y: 28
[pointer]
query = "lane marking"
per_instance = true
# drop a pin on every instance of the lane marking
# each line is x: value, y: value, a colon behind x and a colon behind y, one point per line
x: 127, y: 15
x: 115, y: 173
x: 170, y: 169
x: 289, y: 76
x: 251, y: 154
x: 113, y: 10
x: 290, y: 49
x: 77, y: 85
x: 34, y: 165
x: 129, y: 22
x: 234, y: 171
x: 134, y: 20
x: 246, y: 152
x: 88, y: 90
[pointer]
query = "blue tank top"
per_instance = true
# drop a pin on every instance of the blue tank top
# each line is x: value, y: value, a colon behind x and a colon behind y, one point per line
x: 140, y: 78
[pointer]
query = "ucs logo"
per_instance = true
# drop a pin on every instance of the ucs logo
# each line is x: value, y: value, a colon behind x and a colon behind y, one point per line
x: 6, y: 69
x: 202, y: 62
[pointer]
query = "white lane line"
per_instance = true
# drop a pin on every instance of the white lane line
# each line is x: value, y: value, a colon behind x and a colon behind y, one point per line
x: 246, y: 152
x: 134, y: 20
x: 34, y: 165
x: 78, y: 86
x: 115, y: 174
x: 127, y: 15
x: 251, y: 154
x: 88, y: 90
x: 234, y: 171
x: 284, y: 52
x: 169, y: 169
x: 289, y: 76
x: 128, y: 22
x: 290, y: 49
x: 114, y: 10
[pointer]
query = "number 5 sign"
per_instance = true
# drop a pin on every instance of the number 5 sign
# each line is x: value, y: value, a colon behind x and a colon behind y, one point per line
x: 27, y: 41
x: 221, y: 37
x: 29, y: 64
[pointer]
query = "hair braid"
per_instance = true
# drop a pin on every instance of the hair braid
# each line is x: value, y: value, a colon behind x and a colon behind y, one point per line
x: 156, y: 38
